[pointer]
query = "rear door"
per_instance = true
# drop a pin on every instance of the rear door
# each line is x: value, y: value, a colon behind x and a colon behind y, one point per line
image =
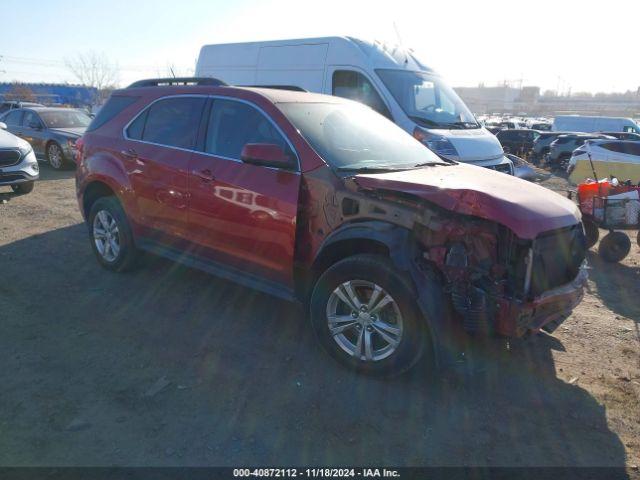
x: 157, y: 149
x: 243, y: 215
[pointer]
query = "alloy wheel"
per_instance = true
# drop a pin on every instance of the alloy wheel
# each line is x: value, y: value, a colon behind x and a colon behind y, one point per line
x: 106, y: 236
x: 364, y: 320
x: 55, y: 156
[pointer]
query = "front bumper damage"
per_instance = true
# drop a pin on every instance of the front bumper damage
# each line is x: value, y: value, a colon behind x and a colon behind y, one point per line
x: 515, y: 318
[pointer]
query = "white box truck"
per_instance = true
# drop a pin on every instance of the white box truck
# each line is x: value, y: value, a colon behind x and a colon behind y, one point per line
x: 586, y: 124
x: 391, y: 80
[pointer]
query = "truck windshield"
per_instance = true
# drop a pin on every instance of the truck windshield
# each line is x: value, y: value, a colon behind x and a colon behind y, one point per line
x: 427, y: 100
x: 350, y: 136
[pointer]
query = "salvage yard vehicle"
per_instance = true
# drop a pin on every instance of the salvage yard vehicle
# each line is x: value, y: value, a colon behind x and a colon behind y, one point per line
x: 591, y: 124
x: 517, y: 141
x: 561, y: 148
x: 18, y: 164
x: 390, y: 79
x: 605, y: 158
x: 396, y: 252
x: 52, y: 132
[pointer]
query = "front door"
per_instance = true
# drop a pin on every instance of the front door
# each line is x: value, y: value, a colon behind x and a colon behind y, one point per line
x: 156, y: 153
x: 243, y: 215
x: 33, y: 131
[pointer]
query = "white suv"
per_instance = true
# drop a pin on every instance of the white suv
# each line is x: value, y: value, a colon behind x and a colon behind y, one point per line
x: 18, y: 164
x: 609, y: 157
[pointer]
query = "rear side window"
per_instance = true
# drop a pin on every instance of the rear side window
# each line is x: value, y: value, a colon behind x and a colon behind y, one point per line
x: 234, y: 124
x: 173, y: 122
x: 14, y: 118
x: 113, y: 107
x: 355, y: 86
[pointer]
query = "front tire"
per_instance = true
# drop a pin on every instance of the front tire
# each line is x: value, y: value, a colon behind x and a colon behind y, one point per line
x: 23, y: 188
x: 55, y: 156
x: 364, y: 314
x: 111, y: 236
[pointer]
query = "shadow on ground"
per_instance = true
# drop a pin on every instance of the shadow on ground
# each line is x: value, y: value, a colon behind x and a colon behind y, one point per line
x: 618, y: 285
x: 170, y: 366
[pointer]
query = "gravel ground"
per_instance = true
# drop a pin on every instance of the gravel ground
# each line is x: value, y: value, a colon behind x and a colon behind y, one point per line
x: 170, y: 366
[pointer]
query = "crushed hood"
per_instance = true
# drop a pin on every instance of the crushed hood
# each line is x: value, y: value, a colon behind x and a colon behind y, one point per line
x: 525, y: 208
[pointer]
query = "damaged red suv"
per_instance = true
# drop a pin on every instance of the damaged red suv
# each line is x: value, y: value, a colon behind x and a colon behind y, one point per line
x: 396, y: 252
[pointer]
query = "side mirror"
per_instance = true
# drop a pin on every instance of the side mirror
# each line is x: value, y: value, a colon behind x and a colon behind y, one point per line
x: 3, y: 126
x: 265, y: 154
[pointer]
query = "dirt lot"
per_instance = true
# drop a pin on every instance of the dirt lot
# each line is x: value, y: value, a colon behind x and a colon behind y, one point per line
x: 170, y: 366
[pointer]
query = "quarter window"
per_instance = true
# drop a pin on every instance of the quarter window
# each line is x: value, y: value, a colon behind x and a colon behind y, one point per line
x: 355, y: 86
x: 233, y: 124
x: 173, y: 122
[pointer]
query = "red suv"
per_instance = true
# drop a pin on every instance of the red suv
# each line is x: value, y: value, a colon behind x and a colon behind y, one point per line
x: 395, y: 251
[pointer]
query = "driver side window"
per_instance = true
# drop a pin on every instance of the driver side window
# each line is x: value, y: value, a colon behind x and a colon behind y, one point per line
x: 31, y: 120
x: 355, y: 86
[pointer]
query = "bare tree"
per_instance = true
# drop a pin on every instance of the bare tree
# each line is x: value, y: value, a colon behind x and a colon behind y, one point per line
x: 94, y: 70
x: 20, y: 93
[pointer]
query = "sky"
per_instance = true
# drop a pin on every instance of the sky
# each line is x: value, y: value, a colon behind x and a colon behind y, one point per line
x: 564, y: 45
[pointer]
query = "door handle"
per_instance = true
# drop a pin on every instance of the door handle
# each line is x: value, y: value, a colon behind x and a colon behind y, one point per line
x: 129, y: 153
x: 205, y: 175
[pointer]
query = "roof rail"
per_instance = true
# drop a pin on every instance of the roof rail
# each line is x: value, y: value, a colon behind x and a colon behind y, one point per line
x: 167, y: 82
x: 293, y: 88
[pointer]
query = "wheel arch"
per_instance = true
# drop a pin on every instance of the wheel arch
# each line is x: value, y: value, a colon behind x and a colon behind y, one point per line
x: 95, y: 190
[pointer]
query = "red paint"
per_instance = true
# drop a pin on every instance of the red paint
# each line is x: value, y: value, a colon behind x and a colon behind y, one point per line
x: 527, y: 209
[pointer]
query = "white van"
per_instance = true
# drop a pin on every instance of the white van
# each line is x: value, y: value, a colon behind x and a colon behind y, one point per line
x: 579, y: 123
x: 391, y: 80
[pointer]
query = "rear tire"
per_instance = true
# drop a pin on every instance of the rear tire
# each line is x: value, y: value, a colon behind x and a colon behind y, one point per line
x: 23, y: 188
x: 614, y: 247
x: 591, y: 231
x: 111, y: 236
x: 363, y: 335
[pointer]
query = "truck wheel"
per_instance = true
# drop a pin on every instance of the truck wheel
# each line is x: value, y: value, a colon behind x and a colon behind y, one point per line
x: 591, y: 231
x: 364, y: 315
x: 111, y: 236
x: 23, y: 188
x: 614, y: 247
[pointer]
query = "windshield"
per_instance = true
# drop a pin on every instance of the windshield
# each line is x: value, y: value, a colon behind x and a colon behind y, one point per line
x: 427, y: 100
x: 350, y: 136
x: 65, y: 119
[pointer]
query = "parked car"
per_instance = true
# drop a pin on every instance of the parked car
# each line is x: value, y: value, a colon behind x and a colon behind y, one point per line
x: 518, y: 141
x: 541, y: 127
x: 10, y: 105
x: 18, y: 164
x: 395, y: 251
x: 561, y: 148
x: 542, y: 144
x: 52, y: 132
x: 620, y: 159
x: 635, y: 137
x: 392, y: 80
x: 587, y: 124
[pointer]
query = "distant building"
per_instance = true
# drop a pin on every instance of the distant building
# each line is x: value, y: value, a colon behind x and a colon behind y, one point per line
x: 528, y: 100
x: 50, y: 94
